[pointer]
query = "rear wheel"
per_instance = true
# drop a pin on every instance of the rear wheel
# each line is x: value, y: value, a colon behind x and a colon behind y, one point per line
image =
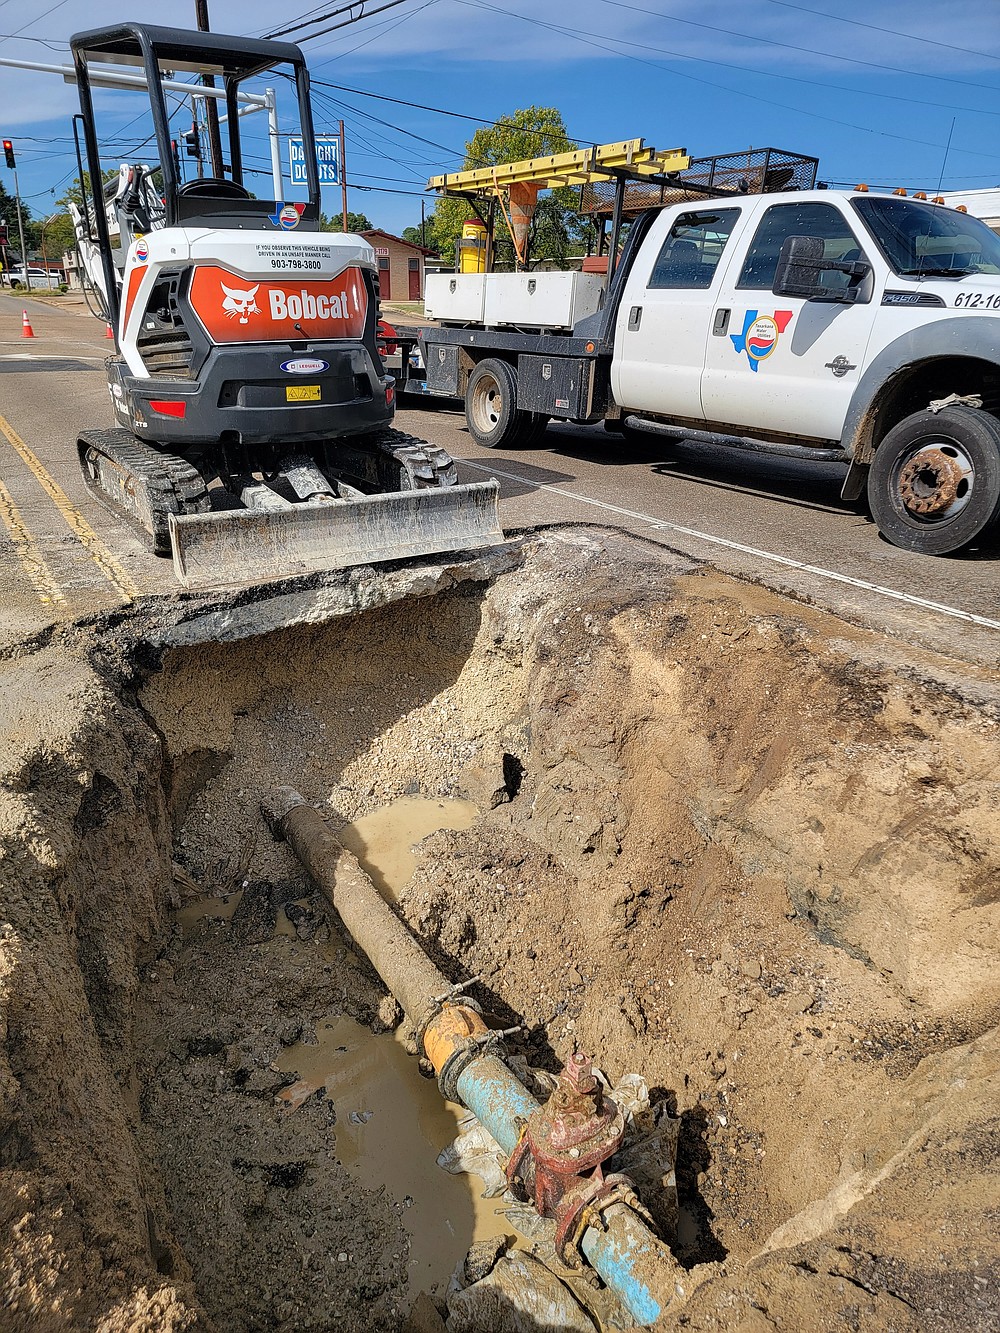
x: 491, y: 406
x: 537, y: 425
x: 934, y: 484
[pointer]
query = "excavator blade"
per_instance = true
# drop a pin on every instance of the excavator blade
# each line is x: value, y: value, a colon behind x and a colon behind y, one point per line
x: 249, y: 545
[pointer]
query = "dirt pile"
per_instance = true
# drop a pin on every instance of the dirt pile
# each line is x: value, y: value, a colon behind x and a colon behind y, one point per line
x: 750, y: 852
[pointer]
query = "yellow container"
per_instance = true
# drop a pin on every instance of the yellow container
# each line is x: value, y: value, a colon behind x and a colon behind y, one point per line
x: 472, y: 247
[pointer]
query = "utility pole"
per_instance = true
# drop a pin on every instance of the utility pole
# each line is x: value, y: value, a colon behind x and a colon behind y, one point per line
x: 211, y: 109
x: 343, y: 176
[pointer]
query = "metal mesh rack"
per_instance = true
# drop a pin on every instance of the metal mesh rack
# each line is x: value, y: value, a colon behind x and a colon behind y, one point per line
x: 753, y: 171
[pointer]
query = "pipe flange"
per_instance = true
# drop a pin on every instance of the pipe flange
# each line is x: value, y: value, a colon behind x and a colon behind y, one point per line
x: 471, y: 1048
x: 440, y: 1002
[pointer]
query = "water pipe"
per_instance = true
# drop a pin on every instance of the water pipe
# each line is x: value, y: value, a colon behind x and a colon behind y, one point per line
x: 464, y: 1052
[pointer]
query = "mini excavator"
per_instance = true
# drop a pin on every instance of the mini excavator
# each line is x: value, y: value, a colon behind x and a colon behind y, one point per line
x: 253, y: 408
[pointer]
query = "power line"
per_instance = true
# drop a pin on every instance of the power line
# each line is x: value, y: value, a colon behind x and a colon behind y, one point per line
x: 390, y: 4
x: 602, y: 44
x: 892, y: 32
x: 804, y: 50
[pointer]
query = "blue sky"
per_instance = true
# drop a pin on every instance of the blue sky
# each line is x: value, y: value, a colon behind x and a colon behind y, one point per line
x: 875, y: 90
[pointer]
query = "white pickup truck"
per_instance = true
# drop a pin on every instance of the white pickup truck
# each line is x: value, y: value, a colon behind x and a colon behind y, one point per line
x: 857, y: 326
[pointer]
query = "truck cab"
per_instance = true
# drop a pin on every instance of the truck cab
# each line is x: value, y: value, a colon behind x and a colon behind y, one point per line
x: 819, y: 319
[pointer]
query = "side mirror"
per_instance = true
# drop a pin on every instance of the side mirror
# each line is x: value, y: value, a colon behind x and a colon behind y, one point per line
x: 800, y: 270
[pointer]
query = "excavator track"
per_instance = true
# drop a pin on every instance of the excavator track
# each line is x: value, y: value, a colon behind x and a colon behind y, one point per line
x: 141, y: 483
x: 422, y: 464
x: 391, y: 460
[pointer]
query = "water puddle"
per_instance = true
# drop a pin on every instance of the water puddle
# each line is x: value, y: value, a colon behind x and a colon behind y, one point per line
x: 222, y: 909
x: 219, y: 909
x: 391, y: 1125
x: 383, y: 841
x: 391, y: 1122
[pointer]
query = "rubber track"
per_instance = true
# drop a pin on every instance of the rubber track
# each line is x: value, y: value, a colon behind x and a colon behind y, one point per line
x: 425, y: 465
x: 153, y: 484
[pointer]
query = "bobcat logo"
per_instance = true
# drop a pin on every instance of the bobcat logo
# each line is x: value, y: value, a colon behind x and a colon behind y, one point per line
x: 240, y: 303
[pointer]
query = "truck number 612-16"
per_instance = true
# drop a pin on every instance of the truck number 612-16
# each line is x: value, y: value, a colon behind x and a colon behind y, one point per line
x: 978, y: 300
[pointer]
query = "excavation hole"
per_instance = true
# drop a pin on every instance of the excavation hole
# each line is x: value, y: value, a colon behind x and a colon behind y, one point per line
x: 724, y: 841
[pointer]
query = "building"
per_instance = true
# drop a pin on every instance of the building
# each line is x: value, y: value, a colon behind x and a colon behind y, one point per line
x: 983, y: 204
x: 400, y: 266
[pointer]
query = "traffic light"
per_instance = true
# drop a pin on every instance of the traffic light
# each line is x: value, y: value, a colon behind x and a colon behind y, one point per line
x: 175, y: 153
x: 8, y: 152
x: 3, y: 234
x: 192, y: 145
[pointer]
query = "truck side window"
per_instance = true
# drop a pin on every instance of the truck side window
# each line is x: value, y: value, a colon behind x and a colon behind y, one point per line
x: 691, y: 252
x: 805, y: 219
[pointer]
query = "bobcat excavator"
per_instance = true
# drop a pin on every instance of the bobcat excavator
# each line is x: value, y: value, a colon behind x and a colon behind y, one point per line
x: 254, y: 411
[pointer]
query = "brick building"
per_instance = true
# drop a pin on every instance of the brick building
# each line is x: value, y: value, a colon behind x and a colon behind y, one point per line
x: 400, y: 266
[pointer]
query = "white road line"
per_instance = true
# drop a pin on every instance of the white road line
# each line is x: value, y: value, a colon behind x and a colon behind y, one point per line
x: 660, y: 524
x: 48, y: 356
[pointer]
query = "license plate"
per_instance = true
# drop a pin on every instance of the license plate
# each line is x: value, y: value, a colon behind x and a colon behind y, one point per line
x: 302, y: 393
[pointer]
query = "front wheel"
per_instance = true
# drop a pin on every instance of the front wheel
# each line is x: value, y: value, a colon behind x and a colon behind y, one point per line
x: 934, y: 484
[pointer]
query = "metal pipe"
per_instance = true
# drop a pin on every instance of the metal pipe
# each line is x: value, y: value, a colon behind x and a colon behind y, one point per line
x: 630, y: 1258
x: 393, y: 952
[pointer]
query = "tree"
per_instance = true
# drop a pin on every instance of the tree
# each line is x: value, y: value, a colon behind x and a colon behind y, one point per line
x: 74, y: 195
x: 534, y: 131
x: 356, y: 222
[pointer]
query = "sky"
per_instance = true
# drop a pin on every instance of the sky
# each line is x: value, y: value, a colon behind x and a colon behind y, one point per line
x: 892, y: 92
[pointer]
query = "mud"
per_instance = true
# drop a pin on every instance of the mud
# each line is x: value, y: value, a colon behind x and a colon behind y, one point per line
x: 728, y: 841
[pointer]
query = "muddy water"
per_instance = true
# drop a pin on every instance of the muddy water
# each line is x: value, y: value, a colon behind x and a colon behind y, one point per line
x: 383, y: 841
x: 391, y: 1125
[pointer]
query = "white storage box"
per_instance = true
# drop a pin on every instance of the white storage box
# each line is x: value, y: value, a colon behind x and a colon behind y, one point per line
x: 455, y: 298
x: 541, y: 300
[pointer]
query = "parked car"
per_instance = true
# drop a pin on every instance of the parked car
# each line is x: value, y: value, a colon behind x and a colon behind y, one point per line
x: 38, y: 277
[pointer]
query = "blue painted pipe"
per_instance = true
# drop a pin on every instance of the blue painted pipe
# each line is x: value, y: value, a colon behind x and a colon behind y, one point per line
x: 633, y: 1262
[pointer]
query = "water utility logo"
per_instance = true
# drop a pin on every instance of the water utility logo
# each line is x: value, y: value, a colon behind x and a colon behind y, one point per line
x: 286, y: 216
x: 760, y: 334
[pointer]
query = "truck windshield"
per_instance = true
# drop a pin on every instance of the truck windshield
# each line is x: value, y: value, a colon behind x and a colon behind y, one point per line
x: 926, y: 240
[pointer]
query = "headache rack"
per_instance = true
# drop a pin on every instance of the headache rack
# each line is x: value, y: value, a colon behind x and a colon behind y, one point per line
x: 752, y: 171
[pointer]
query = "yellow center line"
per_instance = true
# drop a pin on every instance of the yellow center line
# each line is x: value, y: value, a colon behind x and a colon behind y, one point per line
x: 42, y: 580
x: 85, y: 534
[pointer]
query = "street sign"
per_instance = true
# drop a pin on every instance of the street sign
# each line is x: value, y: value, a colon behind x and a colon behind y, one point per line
x: 327, y: 160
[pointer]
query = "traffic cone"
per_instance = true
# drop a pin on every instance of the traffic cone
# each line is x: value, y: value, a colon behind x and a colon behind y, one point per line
x: 26, y: 330
x: 108, y: 331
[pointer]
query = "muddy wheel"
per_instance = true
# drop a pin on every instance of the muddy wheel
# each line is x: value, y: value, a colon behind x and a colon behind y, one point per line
x: 934, y: 485
x: 491, y: 406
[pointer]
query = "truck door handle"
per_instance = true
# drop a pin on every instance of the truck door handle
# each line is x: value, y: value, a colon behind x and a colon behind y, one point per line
x: 635, y: 316
x: 721, y: 323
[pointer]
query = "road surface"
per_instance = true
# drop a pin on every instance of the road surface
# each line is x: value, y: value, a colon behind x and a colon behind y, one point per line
x: 771, y: 520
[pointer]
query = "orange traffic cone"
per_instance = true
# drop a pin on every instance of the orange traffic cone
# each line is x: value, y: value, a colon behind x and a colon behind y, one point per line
x: 109, y: 332
x: 26, y: 330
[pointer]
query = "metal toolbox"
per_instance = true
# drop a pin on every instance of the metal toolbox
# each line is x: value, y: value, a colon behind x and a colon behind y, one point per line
x: 541, y: 300
x: 455, y: 298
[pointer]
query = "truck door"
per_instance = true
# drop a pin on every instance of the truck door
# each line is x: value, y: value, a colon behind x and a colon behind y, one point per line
x: 781, y: 363
x: 666, y: 313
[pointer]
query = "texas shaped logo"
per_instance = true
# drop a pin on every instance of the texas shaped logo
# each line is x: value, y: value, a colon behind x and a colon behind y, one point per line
x: 760, y: 335
x: 286, y: 216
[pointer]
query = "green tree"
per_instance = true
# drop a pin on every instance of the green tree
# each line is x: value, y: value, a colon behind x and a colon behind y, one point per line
x: 74, y: 194
x: 534, y: 131
x: 355, y: 222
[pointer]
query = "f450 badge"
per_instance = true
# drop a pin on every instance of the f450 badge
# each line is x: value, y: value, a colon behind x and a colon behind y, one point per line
x: 760, y: 334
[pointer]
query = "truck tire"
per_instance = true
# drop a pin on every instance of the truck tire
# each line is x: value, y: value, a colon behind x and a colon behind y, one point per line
x: 535, y: 428
x: 491, y: 406
x: 934, y: 484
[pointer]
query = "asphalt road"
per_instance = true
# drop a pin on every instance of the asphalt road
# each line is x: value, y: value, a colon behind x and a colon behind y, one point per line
x: 771, y: 520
